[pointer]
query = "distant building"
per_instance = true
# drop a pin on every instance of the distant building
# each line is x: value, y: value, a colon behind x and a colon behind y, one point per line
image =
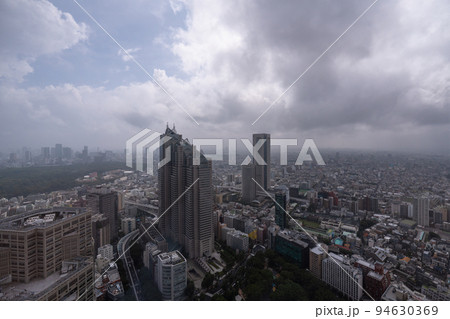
x: 58, y: 151
x: 106, y: 251
x: 292, y: 248
x: 128, y: 225
x: 438, y: 293
x: 104, y: 201
x: 338, y: 273
x: 395, y: 209
x: 406, y: 211
x: 398, y: 291
x: 316, y: 256
x: 101, y: 231
x: 67, y: 153
x: 237, y: 240
x: 281, y: 219
x: 45, y: 153
x: 149, y: 256
x: 249, y: 186
x: 224, y: 229
x: 85, y: 154
x: 423, y: 211
x: 376, y: 278
x: 171, y: 275
x: 262, y: 172
x: 369, y: 204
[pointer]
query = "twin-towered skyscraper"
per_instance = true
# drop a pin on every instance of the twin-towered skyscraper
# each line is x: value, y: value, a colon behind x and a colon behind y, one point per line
x: 186, y: 220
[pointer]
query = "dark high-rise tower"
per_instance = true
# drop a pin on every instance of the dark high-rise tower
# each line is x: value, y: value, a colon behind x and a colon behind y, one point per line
x: 189, y: 221
x: 280, y: 212
x: 249, y: 187
x: 104, y: 201
x: 262, y: 172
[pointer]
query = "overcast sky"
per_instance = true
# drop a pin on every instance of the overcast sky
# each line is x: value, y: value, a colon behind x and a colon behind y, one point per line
x: 384, y: 85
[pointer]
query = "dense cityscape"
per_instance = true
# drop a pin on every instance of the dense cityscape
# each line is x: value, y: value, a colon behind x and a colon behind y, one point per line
x: 364, y: 226
x: 290, y: 157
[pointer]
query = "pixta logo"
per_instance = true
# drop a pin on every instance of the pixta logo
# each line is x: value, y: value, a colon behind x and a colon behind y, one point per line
x: 254, y: 150
x: 148, y: 141
x: 145, y: 142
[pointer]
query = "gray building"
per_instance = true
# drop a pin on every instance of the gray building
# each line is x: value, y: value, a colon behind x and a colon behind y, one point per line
x: 423, y: 211
x: 248, y: 185
x: 262, y: 172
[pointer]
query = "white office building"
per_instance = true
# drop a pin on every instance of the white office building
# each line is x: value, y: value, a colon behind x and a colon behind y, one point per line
x: 106, y: 251
x: 339, y: 274
x: 171, y: 275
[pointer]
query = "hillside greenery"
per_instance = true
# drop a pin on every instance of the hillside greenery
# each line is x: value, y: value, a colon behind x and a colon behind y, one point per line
x: 35, y: 180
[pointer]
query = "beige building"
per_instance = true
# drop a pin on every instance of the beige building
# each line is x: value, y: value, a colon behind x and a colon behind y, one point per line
x: 316, y: 256
x: 74, y: 281
x: 40, y: 250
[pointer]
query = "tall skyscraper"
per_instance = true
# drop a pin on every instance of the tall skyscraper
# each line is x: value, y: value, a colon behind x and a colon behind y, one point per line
x: 249, y: 187
x: 58, y: 151
x: 189, y: 221
x: 423, y: 211
x: 280, y: 209
x: 104, y: 201
x: 45, y: 152
x: 262, y: 172
x: 85, y: 154
x: 67, y: 152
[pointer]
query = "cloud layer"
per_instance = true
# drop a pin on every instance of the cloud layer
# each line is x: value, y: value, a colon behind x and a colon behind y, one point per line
x: 384, y: 85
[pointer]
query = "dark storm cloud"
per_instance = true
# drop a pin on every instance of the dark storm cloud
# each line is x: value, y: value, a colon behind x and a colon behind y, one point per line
x: 366, y: 79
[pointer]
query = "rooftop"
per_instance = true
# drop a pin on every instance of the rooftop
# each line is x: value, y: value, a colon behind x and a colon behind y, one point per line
x: 171, y: 258
x: 39, y: 286
x: 39, y: 218
x: 317, y: 250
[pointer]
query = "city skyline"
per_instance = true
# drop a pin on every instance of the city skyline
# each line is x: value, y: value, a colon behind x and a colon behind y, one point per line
x: 371, y: 235
x: 189, y: 150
